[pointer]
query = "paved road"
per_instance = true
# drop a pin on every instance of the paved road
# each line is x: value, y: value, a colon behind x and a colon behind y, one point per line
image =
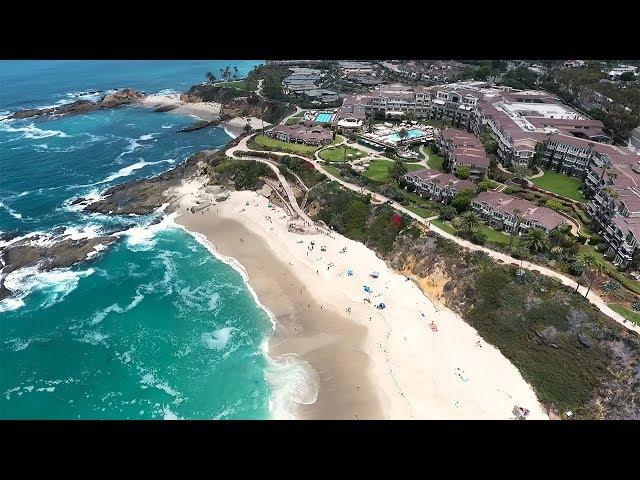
x: 593, y: 297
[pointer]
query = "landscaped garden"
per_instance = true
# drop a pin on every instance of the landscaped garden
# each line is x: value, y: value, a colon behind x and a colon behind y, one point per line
x: 268, y: 143
x: 435, y: 161
x: 378, y: 170
x: 340, y: 154
x: 560, y: 184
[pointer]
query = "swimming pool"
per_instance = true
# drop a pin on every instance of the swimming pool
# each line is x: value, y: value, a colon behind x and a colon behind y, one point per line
x: 324, y: 117
x: 395, y: 138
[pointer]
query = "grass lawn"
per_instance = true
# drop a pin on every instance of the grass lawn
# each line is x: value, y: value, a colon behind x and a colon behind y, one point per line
x: 378, y: 170
x: 295, y: 119
x: 560, y: 184
x: 272, y: 143
x: 446, y: 226
x: 337, y: 140
x: 630, y: 315
x: 339, y: 154
x: 422, y: 211
x: 435, y: 161
x: 239, y: 84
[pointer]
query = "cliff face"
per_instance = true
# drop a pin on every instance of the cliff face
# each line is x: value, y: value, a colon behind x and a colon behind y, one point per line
x: 121, y: 97
x: 575, y: 358
x: 270, y: 111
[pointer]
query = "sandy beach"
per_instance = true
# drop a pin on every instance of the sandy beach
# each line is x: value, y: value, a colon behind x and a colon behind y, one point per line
x: 411, y: 360
x: 209, y: 111
x: 202, y: 110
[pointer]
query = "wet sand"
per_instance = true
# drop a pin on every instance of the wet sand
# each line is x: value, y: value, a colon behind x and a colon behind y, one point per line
x: 326, y: 339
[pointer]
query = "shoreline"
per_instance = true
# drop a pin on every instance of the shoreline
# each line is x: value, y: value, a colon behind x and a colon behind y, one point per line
x: 366, y: 368
x: 206, y: 111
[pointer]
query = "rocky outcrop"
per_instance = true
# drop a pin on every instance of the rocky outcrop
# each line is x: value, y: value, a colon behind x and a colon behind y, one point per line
x: 198, y: 125
x: 121, y: 97
x: 144, y: 196
x: 58, y: 254
x: 165, y: 108
x: 271, y: 111
x: 210, y: 93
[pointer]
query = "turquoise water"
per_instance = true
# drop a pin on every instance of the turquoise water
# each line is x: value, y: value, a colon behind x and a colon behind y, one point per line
x: 151, y: 327
x: 410, y: 134
x: 324, y: 117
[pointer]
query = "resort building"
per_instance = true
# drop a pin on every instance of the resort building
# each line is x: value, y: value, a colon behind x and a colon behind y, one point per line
x: 634, y: 141
x: 614, y: 207
x: 437, y: 186
x: 503, y: 211
x: 463, y: 149
x: 519, y: 121
x: 302, y: 133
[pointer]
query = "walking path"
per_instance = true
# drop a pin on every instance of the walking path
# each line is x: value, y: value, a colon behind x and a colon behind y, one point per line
x: 592, y: 297
x: 284, y: 120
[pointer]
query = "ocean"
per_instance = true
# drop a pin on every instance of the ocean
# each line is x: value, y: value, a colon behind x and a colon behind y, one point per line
x: 153, y: 327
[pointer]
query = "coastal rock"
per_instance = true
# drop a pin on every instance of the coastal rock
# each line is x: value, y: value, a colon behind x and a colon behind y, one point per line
x: 197, y: 126
x: 165, y: 108
x: 60, y: 254
x: 77, y: 107
x: 144, y: 196
x: 124, y: 96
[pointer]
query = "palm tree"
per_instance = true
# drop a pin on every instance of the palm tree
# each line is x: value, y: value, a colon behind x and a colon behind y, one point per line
x: 593, y: 265
x: 222, y: 73
x: 536, y: 240
x: 398, y: 169
x: 235, y: 69
x: 403, y: 134
x: 469, y: 221
x: 210, y: 77
x: 369, y: 122
x: 518, y: 214
x: 227, y: 72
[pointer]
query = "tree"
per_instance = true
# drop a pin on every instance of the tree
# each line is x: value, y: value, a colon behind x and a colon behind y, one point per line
x: 247, y: 128
x: 463, y: 172
x: 491, y: 146
x: 222, y: 73
x: 536, y: 240
x: 398, y: 169
x: 235, y: 69
x: 627, y: 77
x: 210, y: 77
x: 370, y: 122
x: 518, y: 218
x: 469, y: 221
x: 485, y: 185
x: 447, y: 213
x: 593, y: 265
x: 554, y: 205
x: 403, y: 134
x: 537, y: 155
x: 462, y: 200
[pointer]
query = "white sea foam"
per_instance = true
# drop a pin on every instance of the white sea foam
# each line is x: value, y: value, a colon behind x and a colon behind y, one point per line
x: 141, y: 237
x: 11, y: 211
x: 293, y: 381
x: 102, y: 314
x: 126, y: 171
x: 168, y: 414
x: 57, y: 283
x: 31, y: 131
x: 79, y: 233
x: 167, y: 125
x: 96, y: 250
x: 94, y: 338
x: 218, y: 339
x: 134, y: 143
x: 228, y: 132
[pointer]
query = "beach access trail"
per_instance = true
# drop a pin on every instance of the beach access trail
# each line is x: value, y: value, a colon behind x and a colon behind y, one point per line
x: 501, y: 257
